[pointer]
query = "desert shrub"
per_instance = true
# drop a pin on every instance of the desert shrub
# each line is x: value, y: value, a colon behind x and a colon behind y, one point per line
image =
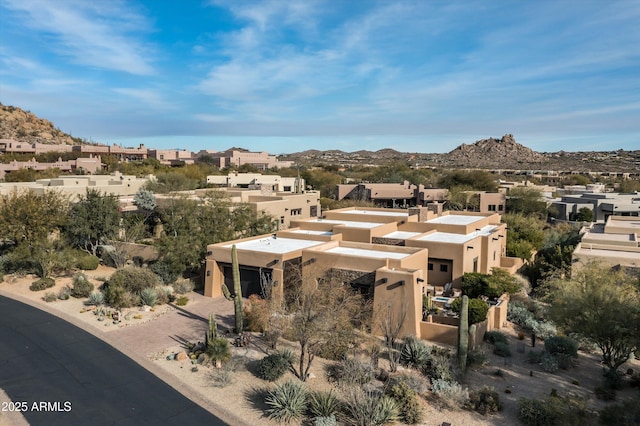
x: 496, y: 336
x: 584, y: 344
x: 605, y: 393
x: 362, y: 408
x: 351, y: 372
x: 134, y: 279
x: 547, y: 411
x: 287, y: 402
x: 485, y: 400
x: 149, y: 297
x: 451, y: 393
x: 81, y: 286
x: 166, y: 271
x: 256, y: 314
x: 535, y: 357
x: 42, y: 284
x: 96, y: 298
x: 477, y: 357
x: 561, y: 345
x: 502, y: 349
x: 218, y: 350
x: 477, y: 309
x: 162, y: 295
x: 182, y: 301
x: 88, y: 262
x: 544, y: 329
x: 439, y: 367
x: 64, y: 293
x: 625, y: 414
x: 613, y: 379
x: 323, y: 404
x: 50, y: 297
x: 183, y: 286
x: 337, y: 345
x: 272, y: 367
x: 221, y: 377
x: 555, y: 410
x: 415, y: 353
x: 409, y: 408
x: 549, y: 363
x: 417, y: 382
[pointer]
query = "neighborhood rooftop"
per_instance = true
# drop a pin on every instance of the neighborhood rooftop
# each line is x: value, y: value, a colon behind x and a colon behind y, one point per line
x: 380, y: 254
x: 275, y: 245
x: 456, y: 219
x: 351, y: 224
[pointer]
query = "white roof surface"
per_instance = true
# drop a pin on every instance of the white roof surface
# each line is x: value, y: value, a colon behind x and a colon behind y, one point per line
x: 367, y: 253
x: 448, y: 237
x: 349, y: 223
x: 275, y: 245
x: 402, y: 235
x: 376, y: 213
x: 456, y: 219
x: 312, y: 232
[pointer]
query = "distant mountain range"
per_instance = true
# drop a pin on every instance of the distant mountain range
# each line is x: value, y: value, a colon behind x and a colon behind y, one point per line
x: 503, y: 153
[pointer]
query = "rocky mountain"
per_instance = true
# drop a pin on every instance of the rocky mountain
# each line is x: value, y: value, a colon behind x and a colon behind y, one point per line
x: 24, y: 126
x: 491, y: 152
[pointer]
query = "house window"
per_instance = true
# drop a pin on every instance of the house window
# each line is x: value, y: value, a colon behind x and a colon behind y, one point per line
x: 500, y: 207
x: 208, y: 273
x: 313, y: 211
x: 494, y: 255
x: 281, y: 220
x: 296, y: 212
x: 444, y: 268
x: 287, y: 189
x: 492, y: 207
x: 475, y: 264
x: 430, y: 267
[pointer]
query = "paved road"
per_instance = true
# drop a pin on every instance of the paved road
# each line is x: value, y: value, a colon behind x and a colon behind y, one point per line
x: 79, y: 378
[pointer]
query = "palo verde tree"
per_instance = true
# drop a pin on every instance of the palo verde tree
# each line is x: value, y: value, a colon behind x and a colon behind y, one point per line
x: 602, y: 305
x: 27, y: 217
x: 93, y: 220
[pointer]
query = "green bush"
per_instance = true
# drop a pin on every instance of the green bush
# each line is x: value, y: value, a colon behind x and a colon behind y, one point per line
x: 368, y: 408
x: 166, y: 271
x: 535, y: 357
x: 182, y: 301
x: 540, y: 412
x: 477, y: 309
x: 561, y: 345
x: 337, y: 345
x: 323, y: 404
x: 477, y: 357
x: 88, y: 262
x: 502, y: 349
x: 81, y: 286
x: 485, y: 400
x: 415, y: 353
x: 496, y: 336
x: 287, y: 402
x: 42, y: 284
x: 439, y: 367
x: 549, y: 363
x: 625, y: 414
x: 183, y: 286
x: 272, y: 367
x: 409, y: 408
x: 128, y: 280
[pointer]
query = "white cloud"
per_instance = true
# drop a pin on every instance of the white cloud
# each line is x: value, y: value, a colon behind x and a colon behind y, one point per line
x: 97, y: 34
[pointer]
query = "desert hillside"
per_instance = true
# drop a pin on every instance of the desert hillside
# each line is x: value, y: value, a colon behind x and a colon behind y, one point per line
x: 24, y: 126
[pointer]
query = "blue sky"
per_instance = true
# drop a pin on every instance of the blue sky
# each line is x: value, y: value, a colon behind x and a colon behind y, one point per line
x: 284, y: 76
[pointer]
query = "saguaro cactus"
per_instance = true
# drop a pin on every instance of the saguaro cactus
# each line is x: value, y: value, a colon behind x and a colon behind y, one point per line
x: 237, y: 299
x: 212, y: 332
x: 463, y: 334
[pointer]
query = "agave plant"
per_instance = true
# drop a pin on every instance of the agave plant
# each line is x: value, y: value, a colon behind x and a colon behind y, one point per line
x: 96, y: 298
x: 287, y: 402
x: 323, y: 404
x: 149, y: 297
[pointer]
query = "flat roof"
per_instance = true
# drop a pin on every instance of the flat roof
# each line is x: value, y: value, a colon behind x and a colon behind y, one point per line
x: 402, y: 235
x: 456, y: 219
x: 449, y: 237
x: 609, y: 254
x: 311, y: 232
x: 608, y: 237
x: 275, y: 245
x: 376, y: 212
x: 631, y: 224
x: 349, y: 223
x: 380, y: 254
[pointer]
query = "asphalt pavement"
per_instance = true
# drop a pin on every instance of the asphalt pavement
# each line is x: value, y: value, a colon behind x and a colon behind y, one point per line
x: 58, y: 374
